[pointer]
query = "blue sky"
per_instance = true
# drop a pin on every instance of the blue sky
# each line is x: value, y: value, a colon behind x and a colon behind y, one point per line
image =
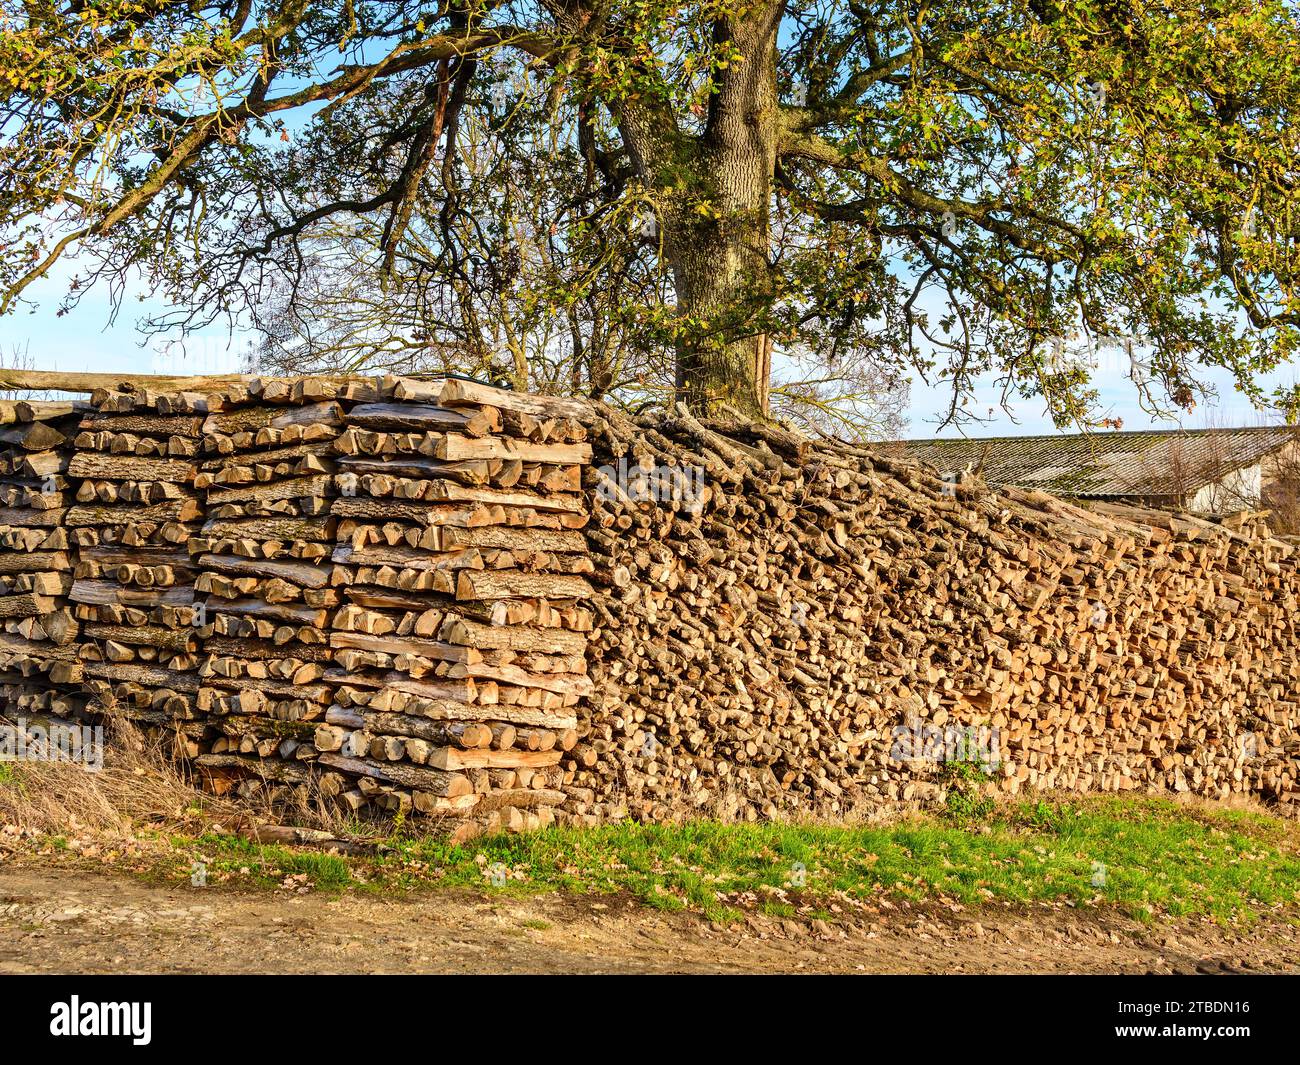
x: 1119, y: 399
x: 85, y: 340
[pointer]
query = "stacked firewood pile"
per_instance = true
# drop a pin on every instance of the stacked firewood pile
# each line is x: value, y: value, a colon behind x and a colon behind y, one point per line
x: 135, y: 507
x: 460, y: 647
x: 501, y: 609
x: 263, y: 556
x: 816, y: 628
x: 39, y: 671
x: 366, y: 592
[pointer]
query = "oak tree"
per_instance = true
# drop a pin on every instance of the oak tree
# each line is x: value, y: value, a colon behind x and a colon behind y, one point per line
x: 932, y: 186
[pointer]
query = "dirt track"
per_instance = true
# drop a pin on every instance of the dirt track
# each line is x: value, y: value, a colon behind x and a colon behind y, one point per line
x: 68, y: 920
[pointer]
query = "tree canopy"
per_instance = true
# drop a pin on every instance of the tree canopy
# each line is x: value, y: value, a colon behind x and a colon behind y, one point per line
x: 638, y: 196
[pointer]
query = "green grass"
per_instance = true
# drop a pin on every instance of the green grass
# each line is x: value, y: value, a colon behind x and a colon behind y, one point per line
x: 266, y: 866
x: 1144, y: 857
x: 7, y: 773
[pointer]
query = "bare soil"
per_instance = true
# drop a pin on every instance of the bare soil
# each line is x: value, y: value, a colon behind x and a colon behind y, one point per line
x: 72, y: 920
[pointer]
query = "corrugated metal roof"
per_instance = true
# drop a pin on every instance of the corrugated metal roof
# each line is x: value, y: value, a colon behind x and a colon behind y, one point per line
x: 1164, y: 463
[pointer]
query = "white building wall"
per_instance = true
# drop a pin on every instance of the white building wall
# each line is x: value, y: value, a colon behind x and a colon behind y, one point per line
x: 1239, y: 490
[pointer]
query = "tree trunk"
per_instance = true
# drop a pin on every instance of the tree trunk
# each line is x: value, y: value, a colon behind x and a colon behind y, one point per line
x: 719, y: 260
x: 715, y: 274
x: 720, y: 265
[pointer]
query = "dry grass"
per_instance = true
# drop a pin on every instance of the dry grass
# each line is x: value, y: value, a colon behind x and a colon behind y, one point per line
x: 137, y: 786
x: 141, y: 787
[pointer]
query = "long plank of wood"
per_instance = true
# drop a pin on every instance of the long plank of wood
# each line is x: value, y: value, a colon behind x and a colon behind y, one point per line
x: 171, y: 510
x: 453, y: 392
x: 513, y: 538
x: 255, y: 608
x: 408, y: 558
x: 399, y: 465
x: 463, y: 691
x: 512, y: 637
x: 445, y: 652
x: 385, y: 599
x: 301, y: 573
x: 514, y: 584
x: 453, y: 710
x: 328, y: 412
x: 297, y: 488
x: 33, y: 561
x: 283, y: 689
x: 26, y: 517
x: 317, y: 530
x: 93, y: 464
x: 144, y: 555
x: 453, y: 758
x: 441, y: 733
x: 454, y: 446
x: 186, y: 425
x: 110, y: 593
x: 263, y: 650
x: 438, y: 781
x: 423, y: 513
x: 450, y: 492
x: 521, y: 798
x: 144, y: 636
x: 147, y: 675
x: 72, y: 381
x: 37, y: 410
x: 560, y: 683
x: 320, y: 448
x: 25, y: 606
x: 422, y: 416
x: 271, y: 768
x: 11, y: 644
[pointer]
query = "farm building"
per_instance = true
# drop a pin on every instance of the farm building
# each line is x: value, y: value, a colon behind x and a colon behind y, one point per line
x: 1204, y: 471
